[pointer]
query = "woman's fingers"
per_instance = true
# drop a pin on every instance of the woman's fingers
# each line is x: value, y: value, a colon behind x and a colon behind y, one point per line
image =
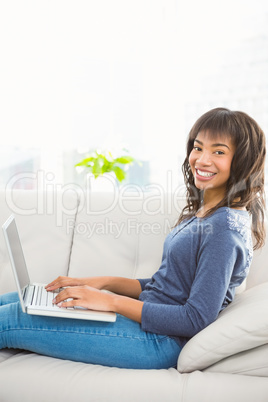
x: 83, y: 296
x: 69, y: 293
x: 54, y: 284
x: 61, y: 282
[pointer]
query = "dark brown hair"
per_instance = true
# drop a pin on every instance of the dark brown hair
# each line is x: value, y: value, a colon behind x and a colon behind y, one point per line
x: 245, y: 186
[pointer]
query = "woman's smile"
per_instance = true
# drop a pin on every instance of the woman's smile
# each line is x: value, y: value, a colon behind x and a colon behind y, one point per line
x: 210, y: 161
x: 204, y: 174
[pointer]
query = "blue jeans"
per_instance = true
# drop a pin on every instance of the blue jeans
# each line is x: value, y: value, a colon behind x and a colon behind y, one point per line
x: 121, y: 344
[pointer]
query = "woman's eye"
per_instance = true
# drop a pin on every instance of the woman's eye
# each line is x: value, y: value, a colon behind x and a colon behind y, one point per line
x: 197, y: 148
x: 219, y: 152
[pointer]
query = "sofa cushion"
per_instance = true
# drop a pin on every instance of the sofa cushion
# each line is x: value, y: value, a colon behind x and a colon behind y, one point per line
x: 243, y: 325
x: 79, y: 382
x: 103, y: 242
x: 252, y: 362
x: 258, y: 271
x: 221, y: 387
x: 121, y: 234
x: 45, y: 223
x: 8, y: 353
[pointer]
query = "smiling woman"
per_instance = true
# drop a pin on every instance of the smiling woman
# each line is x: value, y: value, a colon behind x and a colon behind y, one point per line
x: 205, y: 257
x: 211, y: 165
x: 224, y: 166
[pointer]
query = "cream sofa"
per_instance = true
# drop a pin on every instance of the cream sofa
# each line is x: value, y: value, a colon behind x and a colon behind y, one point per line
x: 82, y: 234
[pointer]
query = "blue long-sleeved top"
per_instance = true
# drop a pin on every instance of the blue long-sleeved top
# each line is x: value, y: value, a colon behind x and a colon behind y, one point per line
x: 203, y: 260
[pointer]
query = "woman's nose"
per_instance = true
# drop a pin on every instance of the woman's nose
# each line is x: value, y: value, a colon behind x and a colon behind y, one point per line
x: 204, y: 158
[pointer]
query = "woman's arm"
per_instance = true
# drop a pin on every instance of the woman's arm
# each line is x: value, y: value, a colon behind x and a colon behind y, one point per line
x: 222, y: 258
x: 94, y: 299
x: 121, y: 286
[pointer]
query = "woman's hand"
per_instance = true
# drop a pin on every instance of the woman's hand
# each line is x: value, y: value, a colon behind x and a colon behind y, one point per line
x: 84, y: 296
x: 62, y: 282
x: 94, y: 299
x: 65, y: 281
x: 122, y: 286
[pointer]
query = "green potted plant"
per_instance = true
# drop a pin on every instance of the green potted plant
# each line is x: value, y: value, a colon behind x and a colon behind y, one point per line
x: 101, y: 162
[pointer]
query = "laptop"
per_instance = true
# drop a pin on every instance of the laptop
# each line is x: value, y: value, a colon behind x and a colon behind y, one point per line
x: 34, y: 298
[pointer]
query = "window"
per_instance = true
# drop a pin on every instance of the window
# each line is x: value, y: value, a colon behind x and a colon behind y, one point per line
x: 89, y: 74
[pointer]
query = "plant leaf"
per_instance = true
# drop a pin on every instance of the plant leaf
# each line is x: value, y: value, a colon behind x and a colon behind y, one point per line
x: 120, y: 173
x: 86, y: 162
x: 124, y: 159
x: 97, y: 166
x: 107, y: 166
x: 100, y: 162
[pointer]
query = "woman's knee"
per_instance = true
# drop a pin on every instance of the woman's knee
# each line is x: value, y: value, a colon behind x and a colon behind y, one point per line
x: 9, y: 298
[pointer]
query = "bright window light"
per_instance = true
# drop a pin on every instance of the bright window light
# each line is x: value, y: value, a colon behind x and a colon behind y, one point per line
x: 114, y: 74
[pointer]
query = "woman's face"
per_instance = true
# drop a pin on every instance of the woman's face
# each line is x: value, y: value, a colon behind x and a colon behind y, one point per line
x: 210, y: 161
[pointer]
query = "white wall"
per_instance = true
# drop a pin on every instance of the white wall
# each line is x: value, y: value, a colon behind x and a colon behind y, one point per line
x: 86, y: 73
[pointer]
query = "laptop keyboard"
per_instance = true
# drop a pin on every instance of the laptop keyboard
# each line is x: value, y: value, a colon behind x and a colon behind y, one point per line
x: 38, y: 296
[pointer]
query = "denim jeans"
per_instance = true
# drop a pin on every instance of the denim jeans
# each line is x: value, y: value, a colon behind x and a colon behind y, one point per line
x: 121, y: 344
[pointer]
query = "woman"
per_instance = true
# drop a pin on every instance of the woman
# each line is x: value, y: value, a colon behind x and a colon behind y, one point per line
x: 206, y: 256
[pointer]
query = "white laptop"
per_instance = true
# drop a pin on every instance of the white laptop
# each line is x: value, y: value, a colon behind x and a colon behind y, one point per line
x: 34, y: 298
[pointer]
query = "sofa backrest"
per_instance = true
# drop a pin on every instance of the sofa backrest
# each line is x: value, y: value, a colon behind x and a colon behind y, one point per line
x: 42, y: 219
x: 121, y: 234
x: 259, y: 269
x: 82, y: 234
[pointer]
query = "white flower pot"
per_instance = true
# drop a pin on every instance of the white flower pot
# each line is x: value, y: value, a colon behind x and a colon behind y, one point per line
x: 104, y: 183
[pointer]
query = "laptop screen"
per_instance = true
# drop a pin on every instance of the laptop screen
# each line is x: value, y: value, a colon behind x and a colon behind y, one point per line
x: 15, y: 252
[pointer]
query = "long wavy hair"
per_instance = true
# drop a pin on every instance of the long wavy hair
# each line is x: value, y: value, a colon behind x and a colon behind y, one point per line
x: 245, y: 186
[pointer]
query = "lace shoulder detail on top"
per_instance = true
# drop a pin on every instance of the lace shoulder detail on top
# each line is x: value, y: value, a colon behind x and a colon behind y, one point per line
x: 241, y: 224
